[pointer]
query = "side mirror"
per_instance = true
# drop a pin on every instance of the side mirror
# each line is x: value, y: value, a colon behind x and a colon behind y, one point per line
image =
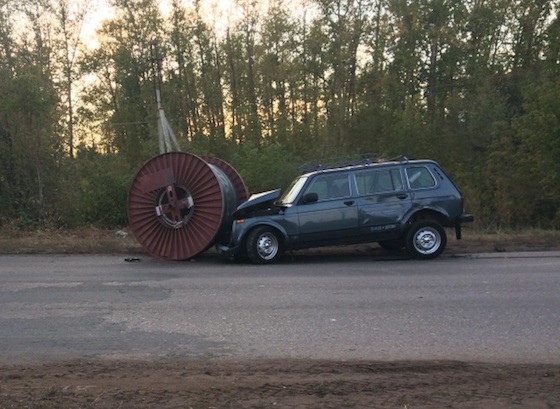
x: 310, y: 197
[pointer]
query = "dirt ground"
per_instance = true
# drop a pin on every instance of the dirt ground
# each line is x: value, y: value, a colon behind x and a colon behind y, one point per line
x: 291, y: 383
x: 294, y: 384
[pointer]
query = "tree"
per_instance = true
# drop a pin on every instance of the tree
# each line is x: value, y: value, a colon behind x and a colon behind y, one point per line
x: 122, y: 63
x: 248, y: 32
x: 276, y: 69
x: 181, y: 88
x: 344, y: 23
x: 28, y: 115
x: 209, y: 63
x: 69, y: 20
x: 529, y: 19
x: 552, y: 47
x: 529, y: 194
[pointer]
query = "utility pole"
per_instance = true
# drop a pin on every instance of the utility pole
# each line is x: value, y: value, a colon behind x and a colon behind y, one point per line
x: 167, y: 140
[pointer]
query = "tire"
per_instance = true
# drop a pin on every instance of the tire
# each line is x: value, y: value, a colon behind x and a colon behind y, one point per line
x: 426, y: 240
x: 264, y: 245
x: 392, y: 245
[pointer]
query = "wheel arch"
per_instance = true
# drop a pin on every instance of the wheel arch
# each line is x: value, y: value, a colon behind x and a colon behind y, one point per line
x: 436, y: 215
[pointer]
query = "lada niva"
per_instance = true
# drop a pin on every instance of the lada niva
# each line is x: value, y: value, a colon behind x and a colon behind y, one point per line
x: 399, y: 204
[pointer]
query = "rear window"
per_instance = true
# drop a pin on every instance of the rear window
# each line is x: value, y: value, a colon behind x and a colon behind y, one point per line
x: 419, y: 177
x: 379, y: 181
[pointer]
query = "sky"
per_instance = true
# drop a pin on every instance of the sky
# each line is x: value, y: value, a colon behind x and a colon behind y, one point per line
x: 218, y: 12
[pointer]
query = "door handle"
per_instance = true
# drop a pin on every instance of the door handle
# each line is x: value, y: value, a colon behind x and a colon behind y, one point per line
x: 402, y: 197
x: 349, y: 202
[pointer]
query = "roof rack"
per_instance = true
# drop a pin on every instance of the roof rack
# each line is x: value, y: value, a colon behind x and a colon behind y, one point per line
x: 400, y: 158
x: 343, y: 162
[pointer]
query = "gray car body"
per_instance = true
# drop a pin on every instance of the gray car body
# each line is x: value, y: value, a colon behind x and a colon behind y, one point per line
x: 356, y: 216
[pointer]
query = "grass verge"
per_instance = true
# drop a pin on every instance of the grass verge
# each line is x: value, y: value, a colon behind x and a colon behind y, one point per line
x: 121, y: 241
x: 79, y: 241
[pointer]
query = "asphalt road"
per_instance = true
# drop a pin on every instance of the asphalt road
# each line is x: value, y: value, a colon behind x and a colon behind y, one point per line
x: 484, y: 308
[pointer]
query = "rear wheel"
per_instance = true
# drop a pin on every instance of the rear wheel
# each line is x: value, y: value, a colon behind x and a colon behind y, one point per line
x: 426, y: 239
x: 264, y: 245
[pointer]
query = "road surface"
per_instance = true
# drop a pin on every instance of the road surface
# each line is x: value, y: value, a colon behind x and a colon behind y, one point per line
x: 483, y: 309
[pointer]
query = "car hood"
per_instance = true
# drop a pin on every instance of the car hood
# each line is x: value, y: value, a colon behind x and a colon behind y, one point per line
x: 259, y: 201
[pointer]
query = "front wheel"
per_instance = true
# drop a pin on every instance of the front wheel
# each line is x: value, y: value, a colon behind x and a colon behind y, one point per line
x: 426, y: 240
x: 264, y: 245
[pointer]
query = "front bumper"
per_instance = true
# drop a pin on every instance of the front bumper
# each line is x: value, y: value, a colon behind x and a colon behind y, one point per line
x: 226, y: 251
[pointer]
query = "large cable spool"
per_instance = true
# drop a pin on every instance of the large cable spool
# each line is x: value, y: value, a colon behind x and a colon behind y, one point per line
x: 180, y: 205
x: 233, y: 175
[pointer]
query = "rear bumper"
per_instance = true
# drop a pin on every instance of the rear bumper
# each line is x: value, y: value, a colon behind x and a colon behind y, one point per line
x: 464, y: 218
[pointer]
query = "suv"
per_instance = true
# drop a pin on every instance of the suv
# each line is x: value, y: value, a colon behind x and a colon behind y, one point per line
x: 399, y: 204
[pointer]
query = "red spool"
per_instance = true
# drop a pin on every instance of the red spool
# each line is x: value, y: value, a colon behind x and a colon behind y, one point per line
x: 177, y: 206
x: 233, y: 175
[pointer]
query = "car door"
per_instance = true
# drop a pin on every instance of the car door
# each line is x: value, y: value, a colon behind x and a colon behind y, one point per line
x: 382, y: 201
x: 333, y: 218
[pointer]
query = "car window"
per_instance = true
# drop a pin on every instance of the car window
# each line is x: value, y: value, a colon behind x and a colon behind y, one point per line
x: 330, y: 186
x: 379, y: 181
x: 420, y: 178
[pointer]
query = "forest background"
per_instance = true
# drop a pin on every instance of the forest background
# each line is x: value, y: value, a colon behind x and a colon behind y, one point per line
x: 472, y: 84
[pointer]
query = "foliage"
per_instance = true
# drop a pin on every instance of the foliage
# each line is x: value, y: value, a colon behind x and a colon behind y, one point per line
x: 265, y: 168
x: 471, y: 84
x: 103, y: 188
x: 529, y: 190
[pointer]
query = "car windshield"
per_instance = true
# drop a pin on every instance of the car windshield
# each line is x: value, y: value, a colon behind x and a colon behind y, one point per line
x: 293, y: 190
